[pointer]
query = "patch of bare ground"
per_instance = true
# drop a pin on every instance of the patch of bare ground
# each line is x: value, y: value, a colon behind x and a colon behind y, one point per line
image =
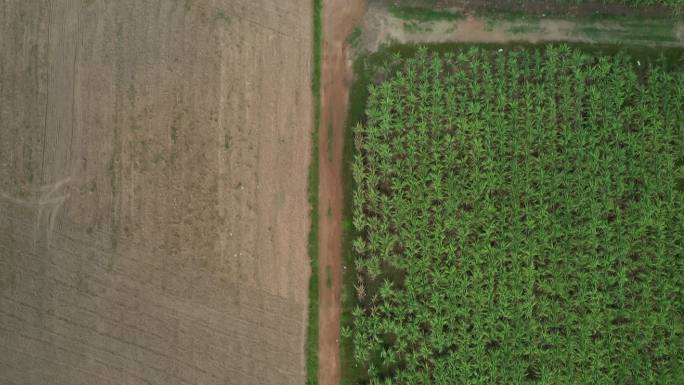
x: 153, y: 191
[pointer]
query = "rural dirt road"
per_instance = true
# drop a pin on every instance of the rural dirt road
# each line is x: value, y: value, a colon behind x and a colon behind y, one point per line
x: 339, y: 19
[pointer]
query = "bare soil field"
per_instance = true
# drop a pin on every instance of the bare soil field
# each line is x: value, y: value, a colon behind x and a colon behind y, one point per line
x: 339, y: 19
x: 153, y: 191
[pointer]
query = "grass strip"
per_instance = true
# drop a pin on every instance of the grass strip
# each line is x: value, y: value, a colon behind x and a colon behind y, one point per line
x: 312, y: 329
x: 351, y: 373
x: 423, y: 14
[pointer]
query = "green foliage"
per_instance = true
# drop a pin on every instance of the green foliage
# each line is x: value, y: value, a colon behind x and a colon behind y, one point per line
x: 525, y: 28
x: 627, y: 2
x: 629, y: 29
x: 426, y: 4
x: 351, y: 374
x: 422, y: 14
x: 520, y: 219
x: 312, y: 327
x: 651, y: 2
x: 354, y: 38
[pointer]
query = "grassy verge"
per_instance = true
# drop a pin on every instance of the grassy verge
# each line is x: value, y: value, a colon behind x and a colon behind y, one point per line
x: 629, y: 29
x: 357, y: 102
x: 423, y: 14
x: 354, y: 38
x: 626, y: 28
x: 556, y: 8
x: 364, y: 67
x: 312, y: 329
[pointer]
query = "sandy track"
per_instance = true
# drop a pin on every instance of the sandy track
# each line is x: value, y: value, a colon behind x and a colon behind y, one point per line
x: 339, y: 18
x: 153, y: 191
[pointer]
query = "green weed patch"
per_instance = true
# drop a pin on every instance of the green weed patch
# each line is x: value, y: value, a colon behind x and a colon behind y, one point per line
x: 312, y: 326
x: 423, y: 14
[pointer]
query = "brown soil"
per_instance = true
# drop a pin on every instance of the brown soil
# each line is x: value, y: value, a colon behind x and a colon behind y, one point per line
x: 153, y: 191
x: 339, y: 18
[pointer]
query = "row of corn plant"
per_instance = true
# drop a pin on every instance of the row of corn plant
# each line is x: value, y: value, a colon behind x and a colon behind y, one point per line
x: 520, y: 219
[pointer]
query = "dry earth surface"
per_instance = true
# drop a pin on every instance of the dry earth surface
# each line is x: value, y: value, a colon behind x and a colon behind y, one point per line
x: 153, y: 191
x: 339, y: 19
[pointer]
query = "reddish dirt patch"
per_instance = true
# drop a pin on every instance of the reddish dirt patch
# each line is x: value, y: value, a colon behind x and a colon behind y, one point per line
x: 339, y: 18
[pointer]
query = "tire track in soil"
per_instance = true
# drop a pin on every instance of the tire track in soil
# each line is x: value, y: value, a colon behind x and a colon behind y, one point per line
x: 339, y: 19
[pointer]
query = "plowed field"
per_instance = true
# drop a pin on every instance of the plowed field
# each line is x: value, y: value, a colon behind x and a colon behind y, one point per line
x: 153, y: 181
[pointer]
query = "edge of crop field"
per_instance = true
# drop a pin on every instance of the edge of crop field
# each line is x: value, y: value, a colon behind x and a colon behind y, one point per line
x: 312, y: 327
x: 358, y: 95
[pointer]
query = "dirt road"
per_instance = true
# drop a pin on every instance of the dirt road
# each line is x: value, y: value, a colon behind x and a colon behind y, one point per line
x: 339, y: 18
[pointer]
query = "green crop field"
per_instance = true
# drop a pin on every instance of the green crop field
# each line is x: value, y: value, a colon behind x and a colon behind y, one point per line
x: 519, y: 219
